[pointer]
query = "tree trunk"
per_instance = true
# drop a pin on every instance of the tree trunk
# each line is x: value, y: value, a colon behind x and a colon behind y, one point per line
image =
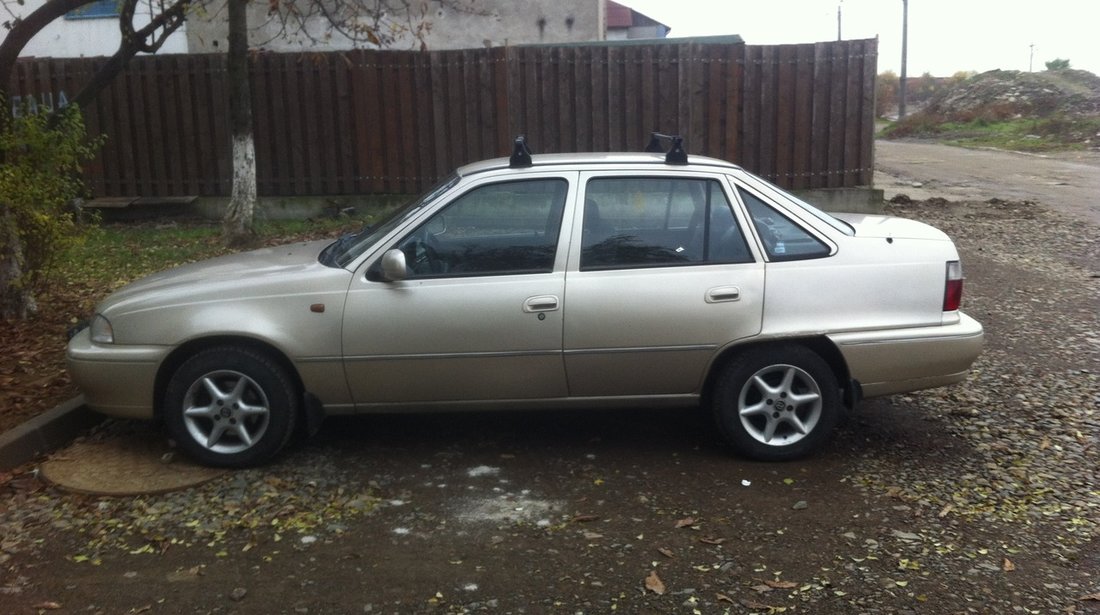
x: 237, y: 226
x: 16, y: 302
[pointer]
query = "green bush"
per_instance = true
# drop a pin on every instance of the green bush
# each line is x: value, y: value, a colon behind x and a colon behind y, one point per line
x: 39, y: 181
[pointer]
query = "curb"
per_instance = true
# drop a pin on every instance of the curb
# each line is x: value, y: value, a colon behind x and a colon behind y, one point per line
x: 45, y: 433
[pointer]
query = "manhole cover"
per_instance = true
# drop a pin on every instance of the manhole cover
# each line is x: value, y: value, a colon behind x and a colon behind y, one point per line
x: 131, y: 463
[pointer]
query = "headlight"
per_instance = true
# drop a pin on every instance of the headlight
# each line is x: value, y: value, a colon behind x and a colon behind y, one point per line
x: 102, y: 332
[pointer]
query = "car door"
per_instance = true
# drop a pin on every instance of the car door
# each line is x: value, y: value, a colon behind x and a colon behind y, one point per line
x: 479, y: 316
x: 659, y: 280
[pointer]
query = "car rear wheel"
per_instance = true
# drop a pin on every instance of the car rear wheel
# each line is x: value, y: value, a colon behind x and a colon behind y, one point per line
x: 777, y: 403
x: 230, y: 407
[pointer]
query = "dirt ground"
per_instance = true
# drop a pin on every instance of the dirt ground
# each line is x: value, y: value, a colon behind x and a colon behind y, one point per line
x: 978, y: 498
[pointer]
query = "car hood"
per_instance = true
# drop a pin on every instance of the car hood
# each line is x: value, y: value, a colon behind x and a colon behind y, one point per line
x: 891, y: 227
x: 283, y: 269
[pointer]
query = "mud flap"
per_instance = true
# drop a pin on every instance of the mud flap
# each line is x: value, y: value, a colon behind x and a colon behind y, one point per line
x: 313, y: 415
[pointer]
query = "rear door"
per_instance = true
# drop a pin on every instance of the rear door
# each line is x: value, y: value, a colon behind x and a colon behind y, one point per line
x: 660, y: 278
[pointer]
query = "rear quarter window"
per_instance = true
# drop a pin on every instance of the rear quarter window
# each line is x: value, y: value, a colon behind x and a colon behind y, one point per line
x: 783, y: 239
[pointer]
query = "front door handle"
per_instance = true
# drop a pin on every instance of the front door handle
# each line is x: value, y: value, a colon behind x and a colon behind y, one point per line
x: 722, y: 294
x: 541, y: 303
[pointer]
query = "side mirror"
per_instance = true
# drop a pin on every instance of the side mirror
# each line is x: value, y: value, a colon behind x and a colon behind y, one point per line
x: 393, y: 266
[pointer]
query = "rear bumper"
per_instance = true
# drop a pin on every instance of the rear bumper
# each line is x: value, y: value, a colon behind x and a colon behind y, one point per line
x: 901, y: 360
x: 115, y: 380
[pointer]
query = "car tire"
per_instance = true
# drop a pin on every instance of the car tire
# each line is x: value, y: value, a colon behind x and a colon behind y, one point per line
x: 230, y: 407
x: 776, y: 403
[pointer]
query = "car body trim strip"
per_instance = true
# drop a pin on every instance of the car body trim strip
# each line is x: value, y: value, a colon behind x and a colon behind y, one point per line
x: 692, y: 347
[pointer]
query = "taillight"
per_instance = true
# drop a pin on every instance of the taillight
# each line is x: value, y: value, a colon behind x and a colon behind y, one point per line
x: 953, y: 289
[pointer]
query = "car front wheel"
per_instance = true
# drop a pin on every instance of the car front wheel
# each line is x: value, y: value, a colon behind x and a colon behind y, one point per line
x: 230, y: 407
x: 777, y: 403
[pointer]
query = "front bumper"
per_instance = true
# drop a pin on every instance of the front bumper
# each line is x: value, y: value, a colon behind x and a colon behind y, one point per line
x: 116, y: 380
x: 892, y: 361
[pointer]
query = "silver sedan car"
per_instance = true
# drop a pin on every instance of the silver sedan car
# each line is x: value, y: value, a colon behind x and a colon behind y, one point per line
x: 554, y: 281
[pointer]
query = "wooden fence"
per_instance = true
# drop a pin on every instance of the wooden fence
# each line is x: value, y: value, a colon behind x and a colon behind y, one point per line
x: 353, y: 122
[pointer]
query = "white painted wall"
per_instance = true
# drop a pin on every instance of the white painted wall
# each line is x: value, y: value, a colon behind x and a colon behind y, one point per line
x: 74, y: 38
x: 493, y: 23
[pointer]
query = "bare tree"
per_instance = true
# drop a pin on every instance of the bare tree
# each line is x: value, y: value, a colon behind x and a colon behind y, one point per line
x: 166, y: 18
x: 16, y: 297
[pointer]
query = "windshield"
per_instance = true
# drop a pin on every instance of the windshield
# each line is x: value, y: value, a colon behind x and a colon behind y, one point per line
x: 789, y: 199
x: 345, y: 250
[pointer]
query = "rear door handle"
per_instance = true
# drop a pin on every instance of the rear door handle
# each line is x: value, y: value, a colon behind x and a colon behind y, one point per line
x: 722, y: 294
x: 541, y: 303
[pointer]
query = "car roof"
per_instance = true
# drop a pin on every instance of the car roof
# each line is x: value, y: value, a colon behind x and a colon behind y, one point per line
x: 593, y: 159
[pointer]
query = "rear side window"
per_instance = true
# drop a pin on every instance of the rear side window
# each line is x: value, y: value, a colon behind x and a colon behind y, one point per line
x: 651, y: 222
x: 783, y: 239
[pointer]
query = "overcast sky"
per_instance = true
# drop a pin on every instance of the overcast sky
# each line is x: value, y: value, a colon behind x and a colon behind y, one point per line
x: 945, y: 36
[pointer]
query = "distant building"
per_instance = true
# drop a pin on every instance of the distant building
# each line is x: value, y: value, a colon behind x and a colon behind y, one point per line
x: 449, y: 24
x: 624, y: 23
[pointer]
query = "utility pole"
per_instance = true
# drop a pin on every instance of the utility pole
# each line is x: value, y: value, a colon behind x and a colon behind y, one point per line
x: 1031, y: 59
x: 838, y: 32
x: 904, y: 53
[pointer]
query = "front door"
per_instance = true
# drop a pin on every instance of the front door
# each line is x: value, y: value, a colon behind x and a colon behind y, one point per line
x: 479, y: 316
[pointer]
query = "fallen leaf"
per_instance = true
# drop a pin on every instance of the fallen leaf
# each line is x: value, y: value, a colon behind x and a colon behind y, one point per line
x: 685, y: 522
x: 665, y: 551
x: 724, y: 598
x: 1093, y: 597
x: 707, y: 540
x: 584, y: 518
x: 781, y: 584
x: 946, y: 510
x: 592, y: 535
x: 654, y: 584
x: 1008, y: 565
x: 762, y: 588
x: 49, y: 605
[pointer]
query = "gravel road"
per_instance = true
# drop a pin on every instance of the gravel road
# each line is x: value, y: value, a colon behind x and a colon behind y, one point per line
x: 1066, y: 182
x: 978, y: 498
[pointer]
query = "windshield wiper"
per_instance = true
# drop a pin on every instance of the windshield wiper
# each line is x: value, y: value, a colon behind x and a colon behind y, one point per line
x: 328, y: 255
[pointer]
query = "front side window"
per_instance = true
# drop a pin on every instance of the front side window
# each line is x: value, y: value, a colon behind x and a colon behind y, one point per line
x: 497, y: 229
x: 783, y: 239
x: 651, y: 222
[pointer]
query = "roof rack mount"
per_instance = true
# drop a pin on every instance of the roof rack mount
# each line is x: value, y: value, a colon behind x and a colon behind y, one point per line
x: 675, y: 153
x: 521, y: 154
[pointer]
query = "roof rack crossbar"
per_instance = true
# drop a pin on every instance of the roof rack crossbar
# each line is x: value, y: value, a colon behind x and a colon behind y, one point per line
x: 521, y: 155
x: 675, y: 153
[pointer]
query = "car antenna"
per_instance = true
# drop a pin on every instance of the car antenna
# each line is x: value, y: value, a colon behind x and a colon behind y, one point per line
x: 675, y: 154
x: 521, y: 155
